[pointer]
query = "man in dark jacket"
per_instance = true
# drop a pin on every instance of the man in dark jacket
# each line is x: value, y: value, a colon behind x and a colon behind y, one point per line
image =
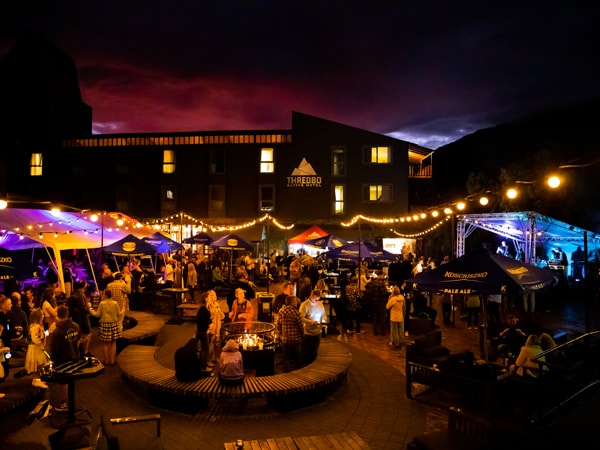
x: 78, y: 310
x: 203, y: 321
x: 64, y: 347
x: 64, y: 341
x: 188, y: 366
x: 377, y: 292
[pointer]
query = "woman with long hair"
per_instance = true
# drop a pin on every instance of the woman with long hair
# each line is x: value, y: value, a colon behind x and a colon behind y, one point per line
x: 36, y: 355
x: 110, y: 316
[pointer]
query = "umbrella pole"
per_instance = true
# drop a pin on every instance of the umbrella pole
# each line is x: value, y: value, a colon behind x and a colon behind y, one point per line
x: 485, y: 330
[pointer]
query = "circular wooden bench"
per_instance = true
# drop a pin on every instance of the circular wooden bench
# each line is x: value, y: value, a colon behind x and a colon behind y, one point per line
x: 138, y: 364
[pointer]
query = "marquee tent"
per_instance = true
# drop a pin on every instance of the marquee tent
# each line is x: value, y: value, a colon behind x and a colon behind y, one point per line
x: 23, y: 228
x: 313, y: 232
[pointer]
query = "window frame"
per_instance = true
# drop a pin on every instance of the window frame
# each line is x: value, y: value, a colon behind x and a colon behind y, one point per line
x: 334, y: 203
x: 366, y: 192
x: 336, y: 164
x: 36, y: 164
x: 265, y: 164
x: 169, y: 161
x: 368, y: 154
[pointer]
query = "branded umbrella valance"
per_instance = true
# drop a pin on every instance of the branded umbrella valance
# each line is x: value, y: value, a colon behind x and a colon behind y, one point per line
x: 482, y: 272
x: 129, y: 246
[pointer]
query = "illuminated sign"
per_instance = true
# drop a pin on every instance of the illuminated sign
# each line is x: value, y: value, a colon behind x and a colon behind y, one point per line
x: 304, y: 176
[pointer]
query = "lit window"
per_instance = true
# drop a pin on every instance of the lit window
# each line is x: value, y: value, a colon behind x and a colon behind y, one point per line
x: 267, y: 163
x: 169, y: 161
x: 377, y: 155
x: 35, y: 166
x: 377, y: 192
x: 338, y: 162
x: 338, y: 199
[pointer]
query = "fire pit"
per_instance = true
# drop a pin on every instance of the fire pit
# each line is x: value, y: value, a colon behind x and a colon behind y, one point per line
x: 257, y: 344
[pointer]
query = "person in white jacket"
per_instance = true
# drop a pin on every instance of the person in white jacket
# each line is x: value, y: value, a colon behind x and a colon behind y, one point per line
x: 397, y: 306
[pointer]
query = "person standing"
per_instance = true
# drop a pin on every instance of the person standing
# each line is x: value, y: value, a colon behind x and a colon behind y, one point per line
x: 36, y: 355
x: 473, y: 304
x: 64, y: 346
x: 493, y: 307
x: 291, y: 331
x: 110, y: 318
x: 5, y: 307
x: 214, y: 329
x: 203, y: 322
x: 313, y: 317
x: 352, y: 295
x: 169, y: 273
x: 242, y: 310
x: 191, y: 278
x: 397, y: 306
x: 280, y: 300
x: 119, y: 292
x: 378, y: 293
x: 49, y: 308
x: 78, y: 310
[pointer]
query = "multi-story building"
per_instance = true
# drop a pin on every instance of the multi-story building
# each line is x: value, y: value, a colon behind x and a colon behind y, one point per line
x: 318, y: 171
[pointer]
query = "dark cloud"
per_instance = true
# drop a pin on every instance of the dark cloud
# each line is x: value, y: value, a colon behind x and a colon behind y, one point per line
x: 429, y: 71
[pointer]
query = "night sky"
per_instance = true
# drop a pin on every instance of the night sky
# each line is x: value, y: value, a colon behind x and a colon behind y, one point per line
x: 424, y: 71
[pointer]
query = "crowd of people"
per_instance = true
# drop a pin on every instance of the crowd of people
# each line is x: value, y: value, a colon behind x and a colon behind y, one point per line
x: 55, y: 325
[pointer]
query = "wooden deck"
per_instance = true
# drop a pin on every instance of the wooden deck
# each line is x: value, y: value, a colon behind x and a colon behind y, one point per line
x: 139, y: 365
x: 338, y: 441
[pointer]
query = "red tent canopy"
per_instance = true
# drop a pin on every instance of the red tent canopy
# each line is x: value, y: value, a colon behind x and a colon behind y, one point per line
x: 313, y: 232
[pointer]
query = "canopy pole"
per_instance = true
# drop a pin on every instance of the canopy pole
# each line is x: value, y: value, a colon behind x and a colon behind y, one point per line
x: 87, y: 251
x: 58, y: 265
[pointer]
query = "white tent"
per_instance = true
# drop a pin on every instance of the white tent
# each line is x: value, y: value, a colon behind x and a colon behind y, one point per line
x: 38, y: 228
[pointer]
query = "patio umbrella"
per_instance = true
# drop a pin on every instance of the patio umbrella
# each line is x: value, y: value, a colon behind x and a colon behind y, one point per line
x: 362, y: 250
x: 199, y: 239
x: 162, y: 243
x: 232, y: 242
x: 328, y: 241
x: 129, y: 246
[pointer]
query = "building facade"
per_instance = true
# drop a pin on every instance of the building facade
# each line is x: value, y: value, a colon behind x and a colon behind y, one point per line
x: 318, y: 171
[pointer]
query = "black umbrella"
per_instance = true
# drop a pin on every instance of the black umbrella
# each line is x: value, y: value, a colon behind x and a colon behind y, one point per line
x: 199, y: 239
x: 362, y: 250
x: 129, y: 246
x: 232, y: 242
x: 161, y: 243
x: 482, y: 272
x: 328, y: 241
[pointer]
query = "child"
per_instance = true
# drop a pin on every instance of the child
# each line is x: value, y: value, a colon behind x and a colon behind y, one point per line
x: 36, y: 357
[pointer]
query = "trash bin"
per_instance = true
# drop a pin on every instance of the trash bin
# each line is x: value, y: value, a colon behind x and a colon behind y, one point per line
x: 265, y: 306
